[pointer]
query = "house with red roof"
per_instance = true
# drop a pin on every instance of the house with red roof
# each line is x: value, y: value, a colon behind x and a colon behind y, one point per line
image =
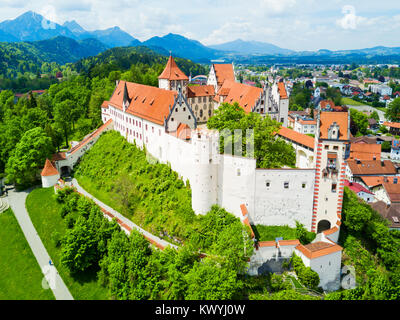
x: 361, y: 191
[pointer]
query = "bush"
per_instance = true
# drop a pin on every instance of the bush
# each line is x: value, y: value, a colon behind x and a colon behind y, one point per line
x: 306, y: 275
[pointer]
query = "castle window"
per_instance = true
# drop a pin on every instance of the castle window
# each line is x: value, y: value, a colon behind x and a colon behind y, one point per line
x: 209, y: 113
x: 334, y: 186
x: 303, y: 185
x: 201, y: 113
x: 172, y: 119
x: 286, y: 185
x: 335, y: 148
x: 176, y: 110
x: 189, y: 117
x: 238, y: 172
x: 326, y: 147
x: 268, y: 184
x: 184, y: 109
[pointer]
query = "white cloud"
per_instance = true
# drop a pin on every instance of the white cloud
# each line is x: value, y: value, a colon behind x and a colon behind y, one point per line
x: 276, y: 6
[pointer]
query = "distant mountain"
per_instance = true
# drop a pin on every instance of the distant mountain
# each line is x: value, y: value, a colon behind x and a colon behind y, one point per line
x: 6, y: 37
x: 183, y: 47
x: 250, y: 48
x: 32, y: 26
x: 112, y: 37
x: 74, y: 27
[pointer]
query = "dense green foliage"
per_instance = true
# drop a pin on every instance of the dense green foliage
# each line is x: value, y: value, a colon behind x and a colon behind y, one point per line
x: 393, y: 111
x: 307, y: 276
x: 372, y: 249
x: 131, y: 269
x: 358, y: 122
x: 21, y: 276
x: 270, y: 151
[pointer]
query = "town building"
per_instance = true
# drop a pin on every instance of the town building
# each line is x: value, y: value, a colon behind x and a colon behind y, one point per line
x: 360, y: 191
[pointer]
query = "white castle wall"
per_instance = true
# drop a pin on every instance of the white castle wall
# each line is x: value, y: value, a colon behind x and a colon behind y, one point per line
x: 277, y: 205
x: 50, y: 181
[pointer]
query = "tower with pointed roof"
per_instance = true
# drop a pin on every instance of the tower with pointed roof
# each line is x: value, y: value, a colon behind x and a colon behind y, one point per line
x: 173, y: 78
x: 50, y: 175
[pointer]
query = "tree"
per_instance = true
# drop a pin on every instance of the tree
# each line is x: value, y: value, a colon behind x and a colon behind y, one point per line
x: 393, y: 111
x: 209, y: 281
x: 270, y: 152
x: 79, y: 249
x: 29, y: 155
x: 63, y: 117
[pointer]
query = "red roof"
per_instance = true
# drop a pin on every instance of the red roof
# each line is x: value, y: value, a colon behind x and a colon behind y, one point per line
x: 224, y: 72
x: 328, y: 118
x: 318, y: 249
x: 297, y: 137
x: 282, y: 90
x: 356, y: 187
x: 149, y: 103
x: 200, y: 91
x: 49, y: 170
x: 172, y: 71
x: 363, y: 151
x: 243, y: 94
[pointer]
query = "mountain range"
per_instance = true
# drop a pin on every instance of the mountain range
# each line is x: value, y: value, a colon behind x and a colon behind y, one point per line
x: 32, y: 27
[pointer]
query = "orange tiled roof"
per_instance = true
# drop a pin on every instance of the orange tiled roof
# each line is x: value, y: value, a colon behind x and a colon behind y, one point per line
x: 224, y: 72
x: 363, y: 151
x: 172, y: 71
x: 263, y: 244
x: 297, y: 137
x: 282, y: 90
x: 289, y: 242
x: 393, y: 191
x: 392, y: 124
x: 90, y: 137
x: 200, y: 91
x: 314, y: 122
x: 331, y: 231
x: 49, y: 170
x: 328, y: 118
x: 149, y: 103
x: 182, y: 132
x: 105, y: 104
x: 318, y: 249
x: 371, y: 167
x: 243, y: 94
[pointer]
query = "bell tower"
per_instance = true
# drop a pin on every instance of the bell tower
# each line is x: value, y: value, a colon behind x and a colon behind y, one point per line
x: 172, y: 77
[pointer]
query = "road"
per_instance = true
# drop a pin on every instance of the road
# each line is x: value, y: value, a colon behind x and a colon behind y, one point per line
x: 17, y: 204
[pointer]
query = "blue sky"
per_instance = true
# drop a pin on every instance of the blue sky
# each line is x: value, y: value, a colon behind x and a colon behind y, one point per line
x: 292, y: 24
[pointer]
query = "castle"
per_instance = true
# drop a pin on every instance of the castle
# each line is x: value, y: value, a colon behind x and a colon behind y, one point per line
x: 167, y: 122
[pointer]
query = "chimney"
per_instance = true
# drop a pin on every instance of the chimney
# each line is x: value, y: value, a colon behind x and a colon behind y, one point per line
x: 382, y: 163
x: 374, y: 158
x: 358, y: 161
x: 395, y: 181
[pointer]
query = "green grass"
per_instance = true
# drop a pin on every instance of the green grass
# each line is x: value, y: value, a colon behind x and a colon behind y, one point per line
x: 44, y: 212
x: 20, y: 274
x: 270, y: 233
x: 351, y: 102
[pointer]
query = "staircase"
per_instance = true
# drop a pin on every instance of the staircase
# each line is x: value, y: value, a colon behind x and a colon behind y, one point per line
x: 3, y: 205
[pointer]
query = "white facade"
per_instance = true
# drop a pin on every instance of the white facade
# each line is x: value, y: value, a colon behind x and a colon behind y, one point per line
x: 50, y: 181
x: 380, y: 89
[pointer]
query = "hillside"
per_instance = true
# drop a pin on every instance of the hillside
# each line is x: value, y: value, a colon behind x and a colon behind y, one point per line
x: 121, y: 59
x: 24, y: 57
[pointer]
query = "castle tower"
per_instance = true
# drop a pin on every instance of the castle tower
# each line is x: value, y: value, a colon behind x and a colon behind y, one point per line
x: 172, y: 77
x: 204, y: 180
x: 331, y: 142
x: 50, y: 175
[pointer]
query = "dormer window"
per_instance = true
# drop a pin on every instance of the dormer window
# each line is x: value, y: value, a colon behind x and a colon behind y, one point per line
x: 333, y: 131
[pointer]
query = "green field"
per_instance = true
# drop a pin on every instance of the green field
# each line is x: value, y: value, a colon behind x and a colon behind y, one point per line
x: 20, y: 274
x: 351, y: 102
x: 44, y: 212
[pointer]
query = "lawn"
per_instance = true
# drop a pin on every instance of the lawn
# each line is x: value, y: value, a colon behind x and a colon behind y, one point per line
x: 21, y: 276
x: 270, y: 233
x: 44, y: 212
x: 351, y: 102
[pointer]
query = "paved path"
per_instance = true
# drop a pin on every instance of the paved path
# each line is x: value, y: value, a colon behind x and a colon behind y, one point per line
x: 17, y: 204
x: 121, y: 217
